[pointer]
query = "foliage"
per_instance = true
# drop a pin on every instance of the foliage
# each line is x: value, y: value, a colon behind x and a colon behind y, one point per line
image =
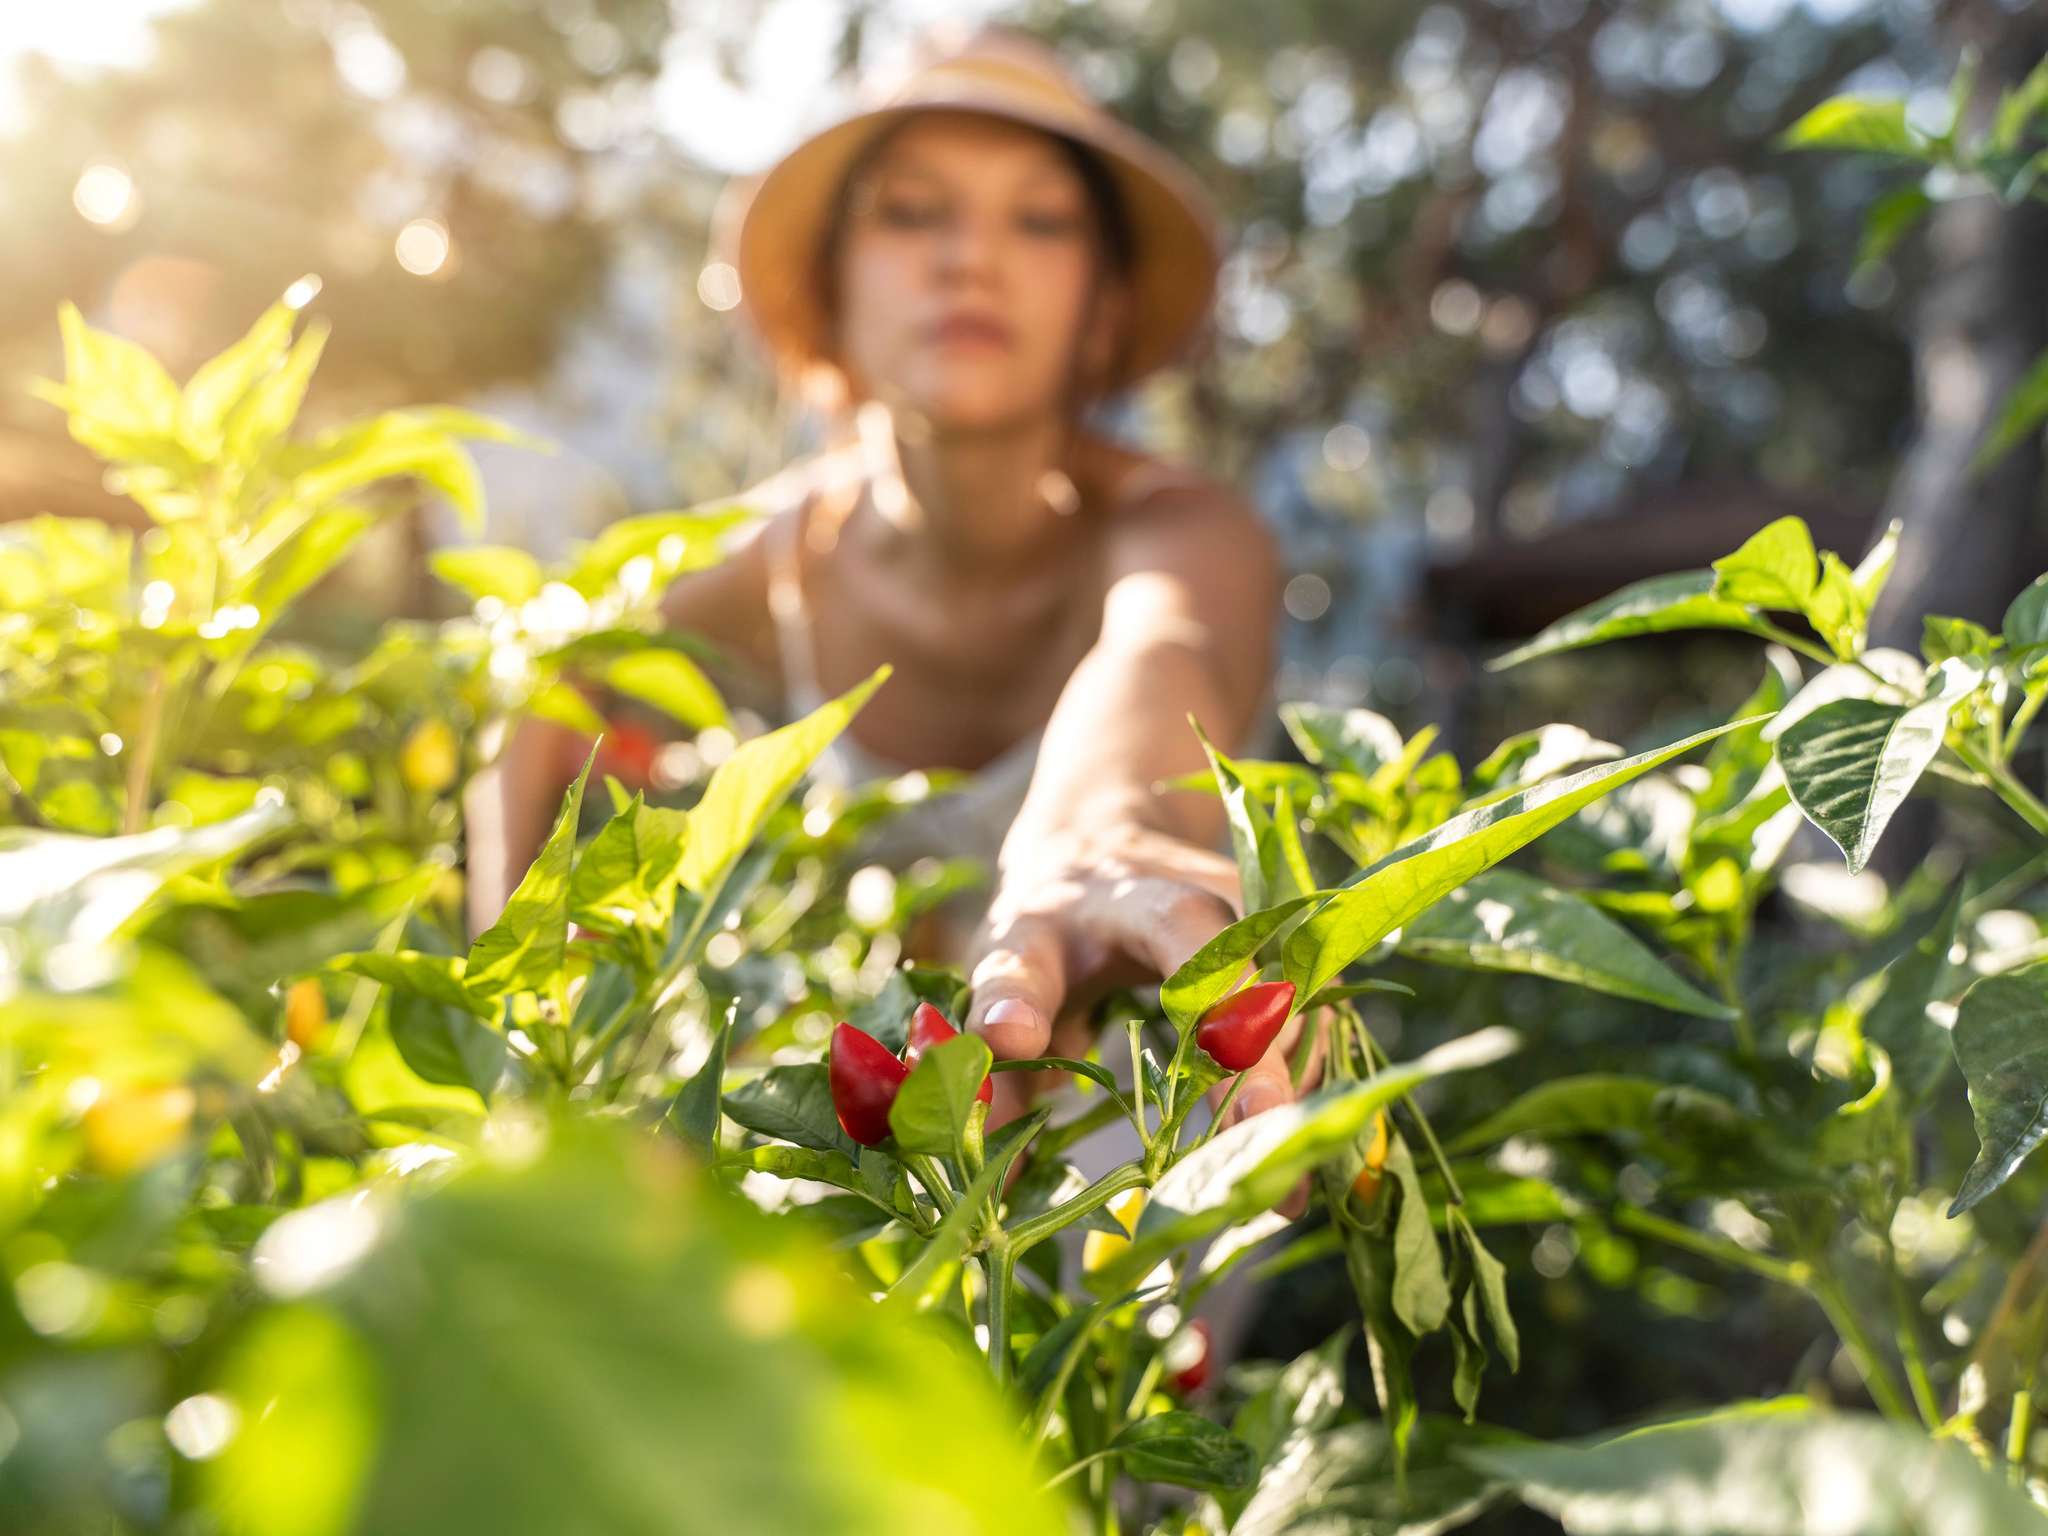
x: 318, y: 1218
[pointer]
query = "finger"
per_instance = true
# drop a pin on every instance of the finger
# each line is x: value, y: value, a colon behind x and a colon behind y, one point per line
x: 1158, y: 923
x: 1018, y: 983
x: 1267, y: 1085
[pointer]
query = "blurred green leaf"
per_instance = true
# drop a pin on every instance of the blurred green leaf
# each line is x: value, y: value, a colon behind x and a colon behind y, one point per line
x: 1186, y: 1449
x: 672, y: 683
x: 510, y: 575
x: 446, y: 1044
x: 2001, y: 1043
x: 523, y: 950
x: 1859, y: 123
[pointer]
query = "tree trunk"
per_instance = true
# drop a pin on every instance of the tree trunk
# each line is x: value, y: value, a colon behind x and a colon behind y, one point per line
x: 1969, y: 540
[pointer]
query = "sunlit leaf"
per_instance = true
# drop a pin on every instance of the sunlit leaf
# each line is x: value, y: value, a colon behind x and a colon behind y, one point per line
x: 1685, y: 600
x: 523, y: 949
x: 1877, y: 126
x: 510, y: 575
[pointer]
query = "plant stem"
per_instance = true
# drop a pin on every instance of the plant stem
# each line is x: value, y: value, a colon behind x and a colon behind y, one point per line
x: 1036, y: 1229
x: 142, y: 755
x: 1908, y: 1337
x: 1135, y: 1030
x: 1877, y: 1376
x: 1792, y: 642
x: 1222, y: 1109
x: 934, y: 1181
x: 1374, y: 1060
x: 2018, y: 1432
x: 1633, y: 1218
x: 1000, y: 1267
x: 1075, y: 1466
x: 2009, y: 789
x: 2030, y: 706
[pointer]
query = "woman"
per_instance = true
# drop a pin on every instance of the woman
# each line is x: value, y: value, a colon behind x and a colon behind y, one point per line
x: 959, y: 275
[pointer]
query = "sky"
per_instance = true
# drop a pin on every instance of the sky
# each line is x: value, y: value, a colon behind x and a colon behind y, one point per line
x: 787, y: 66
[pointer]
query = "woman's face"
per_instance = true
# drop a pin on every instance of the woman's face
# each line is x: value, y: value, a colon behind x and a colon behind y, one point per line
x: 968, y: 274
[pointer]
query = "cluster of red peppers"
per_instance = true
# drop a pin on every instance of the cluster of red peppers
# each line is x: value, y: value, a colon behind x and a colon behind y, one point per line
x: 865, y: 1074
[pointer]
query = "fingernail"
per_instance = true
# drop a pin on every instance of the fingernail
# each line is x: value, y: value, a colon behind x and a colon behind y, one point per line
x: 1010, y: 1012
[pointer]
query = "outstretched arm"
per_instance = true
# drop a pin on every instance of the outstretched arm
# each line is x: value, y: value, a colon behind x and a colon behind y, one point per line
x: 1101, y: 880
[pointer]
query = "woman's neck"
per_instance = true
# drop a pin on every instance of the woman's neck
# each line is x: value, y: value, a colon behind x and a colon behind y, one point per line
x: 977, y: 502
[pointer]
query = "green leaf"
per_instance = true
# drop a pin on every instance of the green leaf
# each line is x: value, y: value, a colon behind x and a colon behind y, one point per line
x: 1422, y: 1292
x: 750, y: 784
x: 267, y: 412
x: 1304, y: 1396
x: 672, y: 543
x: 1875, y: 568
x: 672, y: 683
x: 561, y: 703
x: 1942, y: 637
x: 1052, y: 1359
x: 593, y: 1300
x: 2026, y: 621
x: 1775, y: 567
x: 1856, y: 122
x: 1247, y: 821
x: 1504, y: 920
x: 695, y: 1114
x: 916, y: 1287
x: 445, y: 1044
x: 439, y: 977
x: 1241, y: 1171
x: 1890, y: 219
x: 278, y: 581
x: 1767, y: 1469
x: 791, y: 1103
x: 1490, y: 1284
x: 500, y: 571
x: 2001, y: 1043
x: 414, y: 444
x: 2021, y: 416
x: 1531, y: 756
x: 1350, y: 1479
x: 1836, y: 609
x: 1356, y: 740
x: 1898, y: 1020
x: 626, y: 868
x: 1211, y: 973
x: 1851, y: 764
x: 1685, y: 600
x: 122, y: 404
x: 1411, y: 879
x: 523, y: 950
x: 221, y: 383
x: 932, y: 1108
x: 1594, y: 1103
x: 1184, y: 1449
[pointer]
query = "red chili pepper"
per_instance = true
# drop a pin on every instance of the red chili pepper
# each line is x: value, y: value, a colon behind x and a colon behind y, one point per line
x: 1240, y: 1029
x: 864, y: 1077
x: 928, y: 1027
x: 1194, y: 1376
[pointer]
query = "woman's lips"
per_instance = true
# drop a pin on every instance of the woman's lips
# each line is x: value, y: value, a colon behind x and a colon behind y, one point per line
x: 970, y: 330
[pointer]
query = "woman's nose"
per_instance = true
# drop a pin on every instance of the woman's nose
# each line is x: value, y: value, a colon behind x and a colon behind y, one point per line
x: 970, y: 245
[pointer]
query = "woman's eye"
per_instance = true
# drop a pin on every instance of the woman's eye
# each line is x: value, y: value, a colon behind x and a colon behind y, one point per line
x: 910, y: 213
x: 1055, y: 225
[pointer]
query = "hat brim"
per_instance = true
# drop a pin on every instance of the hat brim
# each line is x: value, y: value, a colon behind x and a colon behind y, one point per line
x: 778, y: 227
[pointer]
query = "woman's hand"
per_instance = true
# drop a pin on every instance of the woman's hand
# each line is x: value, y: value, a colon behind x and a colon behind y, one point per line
x: 1081, y: 912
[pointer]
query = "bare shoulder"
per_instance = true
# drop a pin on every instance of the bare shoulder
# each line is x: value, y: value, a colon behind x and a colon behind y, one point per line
x: 1159, y: 509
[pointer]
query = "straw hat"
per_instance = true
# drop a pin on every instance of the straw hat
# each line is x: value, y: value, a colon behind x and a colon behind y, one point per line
x: 776, y: 225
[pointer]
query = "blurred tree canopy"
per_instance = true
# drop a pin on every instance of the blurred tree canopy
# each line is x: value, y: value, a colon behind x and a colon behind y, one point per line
x: 1497, y: 266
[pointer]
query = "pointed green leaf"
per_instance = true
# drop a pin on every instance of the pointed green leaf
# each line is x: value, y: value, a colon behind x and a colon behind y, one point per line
x: 791, y: 1103
x: 1184, y: 1449
x: 1685, y: 600
x: 2026, y: 620
x: 672, y: 683
x: 510, y: 575
x: 1211, y: 973
x: 2020, y: 416
x: 1775, y: 567
x: 623, y: 872
x: 671, y: 543
x: 1411, y: 879
x: 696, y: 1114
x: 220, y: 384
x: 1356, y: 740
x: 1874, y: 125
x: 1422, y: 1291
x: 1764, y: 1469
x: 1851, y: 764
x: 749, y: 785
x: 1595, y: 1103
x: 523, y: 950
x: 2001, y: 1043
x: 436, y: 976
x: 1504, y: 920
x: 1899, y: 1020
x: 1243, y: 1170
x: 444, y: 1044
x: 1875, y: 568
x: 935, y: 1103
